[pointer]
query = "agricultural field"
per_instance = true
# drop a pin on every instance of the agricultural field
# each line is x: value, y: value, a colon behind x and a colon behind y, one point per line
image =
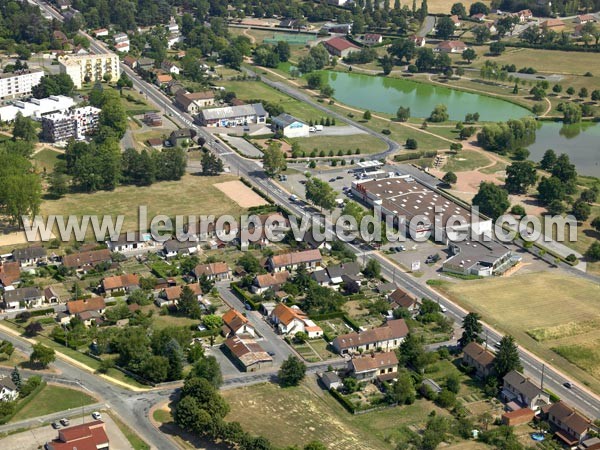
x: 190, y: 195
x: 560, y: 317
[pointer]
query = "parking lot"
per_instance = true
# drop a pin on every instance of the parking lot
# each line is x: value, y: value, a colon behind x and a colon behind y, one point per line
x: 35, y: 438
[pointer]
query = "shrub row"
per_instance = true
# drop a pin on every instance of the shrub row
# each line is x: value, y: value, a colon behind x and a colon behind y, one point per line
x: 415, y: 155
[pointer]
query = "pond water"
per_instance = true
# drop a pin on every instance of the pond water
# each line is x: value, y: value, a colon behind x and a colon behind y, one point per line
x: 580, y: 141
x: 387, y: 94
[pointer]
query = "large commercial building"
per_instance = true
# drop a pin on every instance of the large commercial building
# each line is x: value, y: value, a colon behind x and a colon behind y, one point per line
x: 419, y: 211
x: 233, y: 115
x: 289, y: 126
x: 73, y: 124
x: 90, y: 68
x: 36, y: 107
x: 19, y: 84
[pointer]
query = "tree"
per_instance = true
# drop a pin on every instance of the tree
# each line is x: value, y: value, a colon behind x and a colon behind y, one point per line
x: 507, y: 357
x: 472, y: 328
x: 42, y: 355
x: 557, y: 88
x: 411, y: 144
x: 372, y: 269
x: 314, y: 80
x: 482, y: 34
x: 425, y: 59
x: 320, y: 55
x: 387, y: 64
x: 250, y: 263
x: 306, y: 64
x: 571, y: 113
x: 273, y: 160
x: 320, y: 193
x: 538, y: 93
x: 292, y: 372
x: 60, y: 84
x: 209, y: 369
x: 212, y: 165
x: 583, y: 92
x: 491, y: 199
x: 58, y: 186
x: 570, y: 90
x: 593, y: 252
x: 403, y: 114
x: 459, y: 10
x: 581, y: 210
x: 469, y: 55
x: 315, y: 445
x: 15, y: 377
x: 403, y: 391
x: 595, y: 95
x: 24, y: 128
x: 564, y: 170
x: 548, y: 160
x: 327, y: 91
x: 450, y: 178
x: 188, y: 304
x: 113, y: 116
x: 439, y: 114
x: 124, y: 81
x: 478, y: 8
x: 367, y: 115
x: 497, y: 48
x: 33, y: 329
x: 550, y: 189
x: 212, y: 321
x: 444, y: 28
x: 596, y: 224
x: 520, y: 176
x: 402, y: 49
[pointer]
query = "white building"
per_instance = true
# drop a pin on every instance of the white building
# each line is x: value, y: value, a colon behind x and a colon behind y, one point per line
x: 233, y: 115
x: 8, y: 390
x: 73, y: 124
x: 90, y: 68
x: 290, y: 126
x: 36, y: 108
x: 19, y: 84
x: 292, y: 320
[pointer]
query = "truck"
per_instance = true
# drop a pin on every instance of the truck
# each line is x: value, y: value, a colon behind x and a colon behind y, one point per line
x: 318, y: 127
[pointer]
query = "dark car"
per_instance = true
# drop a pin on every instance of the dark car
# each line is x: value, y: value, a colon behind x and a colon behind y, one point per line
x: 568, y: 385
x: 271, y: 353
x: 55, y: 425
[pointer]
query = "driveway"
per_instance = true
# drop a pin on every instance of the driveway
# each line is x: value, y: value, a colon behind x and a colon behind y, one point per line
x: 338, y: 131
x: 269, y: 340
x: 242, y: 146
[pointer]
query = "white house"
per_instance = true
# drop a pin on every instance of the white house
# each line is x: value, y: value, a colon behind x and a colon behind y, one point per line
x: 235, y: 324
x: 387, y: 337
x: 309, y: 259
x: 31, y: 297
x: 128, y: 242
x: 372, y: 39
x: 170, y: 67
x: 289, y: 126
x: 292, y: 320
x: 8, y: 390
x: 383, y: 366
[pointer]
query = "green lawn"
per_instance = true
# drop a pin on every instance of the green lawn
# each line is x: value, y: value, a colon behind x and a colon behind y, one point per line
x: 134, y: 439
x: 465, y: 160
x: 365, y: 142
x: 53, y: 399
x: 46, y: 159
x: 190, y: 195
x: 249, y: 90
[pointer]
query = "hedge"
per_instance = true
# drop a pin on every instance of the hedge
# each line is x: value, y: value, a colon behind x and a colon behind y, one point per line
x: 41, y: 312
x: 347, y: 404
x: 23, y: 403
x: 415, y: 155
x: 244, y: 297
x: 553, y: 397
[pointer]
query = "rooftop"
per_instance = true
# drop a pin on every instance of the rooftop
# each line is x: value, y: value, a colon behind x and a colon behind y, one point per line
x: 247, y: 351
x: 233, y: 111
x: 392, y: 329
x: 374, y: 361
x: 340, y: 44
x: 478, y: 353
x: 299, y: 257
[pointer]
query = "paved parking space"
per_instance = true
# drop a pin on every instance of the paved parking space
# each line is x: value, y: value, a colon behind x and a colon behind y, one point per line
x: 418, y: 252
x: 242, y: 145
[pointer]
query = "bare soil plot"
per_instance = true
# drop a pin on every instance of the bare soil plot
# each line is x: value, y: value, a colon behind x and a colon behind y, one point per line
x: 241, y: 194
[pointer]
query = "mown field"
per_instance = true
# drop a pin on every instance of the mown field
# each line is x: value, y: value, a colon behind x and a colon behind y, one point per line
x: 364, y: 142
x: 551, y: 313
x: 191, y: 195
x: 53, y: 399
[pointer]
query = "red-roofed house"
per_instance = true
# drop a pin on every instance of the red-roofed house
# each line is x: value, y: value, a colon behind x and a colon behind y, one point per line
x: 88, y: 436
x: 310, y: 259
x: 234, y: 323
x: 552, y: 24
x: 482, y: 360
x: 126, y: 282
x: 387, y: 337
x: 372, y: 39
x: 213, y: 271
x: 451, y: 47
x: 341, y: 47
x: 454, y: 18
x: 377, y: 365
x: 571, y: 426
x: 585, y: 18
x: 292, y: 320
x: 419, y: 41
x: 479, y: 17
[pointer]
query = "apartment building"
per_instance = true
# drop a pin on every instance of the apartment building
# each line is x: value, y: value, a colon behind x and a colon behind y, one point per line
x: 90, y: 68
x: 19, y: 84
x: 73, y: 124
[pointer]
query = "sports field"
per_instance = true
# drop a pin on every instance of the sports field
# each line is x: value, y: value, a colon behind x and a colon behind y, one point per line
x: 546, y: 311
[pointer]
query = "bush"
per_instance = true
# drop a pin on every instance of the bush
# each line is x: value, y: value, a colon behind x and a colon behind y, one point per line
x: 411, y: 144
x: 386, y: 131
x: 518, y: 210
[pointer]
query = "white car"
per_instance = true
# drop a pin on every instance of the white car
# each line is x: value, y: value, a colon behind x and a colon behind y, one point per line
x: 96, y: 415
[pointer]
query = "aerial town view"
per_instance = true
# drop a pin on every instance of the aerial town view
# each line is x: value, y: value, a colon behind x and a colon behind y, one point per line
x: 299, y: 224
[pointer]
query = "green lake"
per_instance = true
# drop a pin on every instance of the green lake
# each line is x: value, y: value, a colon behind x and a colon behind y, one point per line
x: 385, y: 94
x: 580, y: 141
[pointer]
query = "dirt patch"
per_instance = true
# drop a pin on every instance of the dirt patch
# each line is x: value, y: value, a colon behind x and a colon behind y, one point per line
x: 241, y: 194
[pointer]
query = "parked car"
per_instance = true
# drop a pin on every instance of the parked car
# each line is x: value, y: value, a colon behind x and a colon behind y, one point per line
x: 271, y: 353
x: 431, y: 259
x: 96, y: 415
x: 332, y: 180
x: 55, y: 425
x: 64, y: 422
x: 339, y: 177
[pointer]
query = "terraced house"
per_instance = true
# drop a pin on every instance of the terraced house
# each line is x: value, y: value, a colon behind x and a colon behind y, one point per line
x: 386, y: 337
